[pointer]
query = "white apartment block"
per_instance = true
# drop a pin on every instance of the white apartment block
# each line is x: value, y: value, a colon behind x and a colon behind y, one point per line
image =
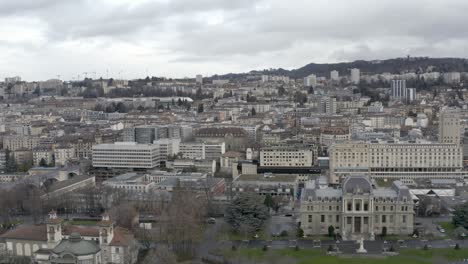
x: 202, y: 151
x: 126, y: 155
x: 334, y: 75
x: 286, y: 156
x: 399, y: 160
x: 310, y: 80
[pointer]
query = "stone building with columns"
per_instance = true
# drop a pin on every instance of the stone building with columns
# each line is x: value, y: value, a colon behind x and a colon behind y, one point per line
x: 357, y: 208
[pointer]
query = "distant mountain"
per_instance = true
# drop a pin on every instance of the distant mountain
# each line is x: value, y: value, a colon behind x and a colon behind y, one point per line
x: 394, y: 66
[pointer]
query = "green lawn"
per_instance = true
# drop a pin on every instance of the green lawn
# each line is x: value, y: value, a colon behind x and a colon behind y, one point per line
x: 82, y: 222
x: 416, y: 256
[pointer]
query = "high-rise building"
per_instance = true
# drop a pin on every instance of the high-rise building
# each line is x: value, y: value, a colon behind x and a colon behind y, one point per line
x: 199, y: 78
x: 334, y: 75
x: 327, y: 105
x: 355, y: 75
x: 449, y: 126
x: 399, y: 91
x: 310, y: 80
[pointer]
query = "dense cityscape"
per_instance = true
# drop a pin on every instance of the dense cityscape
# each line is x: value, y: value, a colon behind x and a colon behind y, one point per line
x: 159, y: 170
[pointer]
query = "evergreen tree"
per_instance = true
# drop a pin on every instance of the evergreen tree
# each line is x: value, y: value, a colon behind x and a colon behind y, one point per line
x: 254, y: 112
x: 43, y: 163
x: 200, y: 108
x: 460, y: 216
x: 331, y: 231
x: 268, y: 202
x: 246, y: 210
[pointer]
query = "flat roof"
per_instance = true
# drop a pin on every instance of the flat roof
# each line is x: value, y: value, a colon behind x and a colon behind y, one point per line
x: 268, y: 177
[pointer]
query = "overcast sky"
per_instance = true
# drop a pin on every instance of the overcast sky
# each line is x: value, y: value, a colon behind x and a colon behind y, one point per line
x: 40, y: 39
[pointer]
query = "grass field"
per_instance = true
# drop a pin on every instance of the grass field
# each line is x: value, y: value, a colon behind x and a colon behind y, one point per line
x: 82, y: 222
x: 413, y: 256
x: 448, y: 226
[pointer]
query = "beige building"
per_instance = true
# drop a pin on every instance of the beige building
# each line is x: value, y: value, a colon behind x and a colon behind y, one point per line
x: 287, y: 156
x: 449, y: 126
x: 20, y: 142
x: 400, y: 160
x: 63, y: 155
x: 357, y: 209
x: 43, y: 154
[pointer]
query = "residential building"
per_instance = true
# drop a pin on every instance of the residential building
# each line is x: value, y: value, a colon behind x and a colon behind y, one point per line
x: 63, y: 154
x: 334, y: 75
x: 310, y: 81
x: 327, y: 105
x: 287, y: 156
x: 43, y: 154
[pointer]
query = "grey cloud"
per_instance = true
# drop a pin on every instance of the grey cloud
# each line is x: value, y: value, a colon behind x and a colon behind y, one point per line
x: 258, y: 32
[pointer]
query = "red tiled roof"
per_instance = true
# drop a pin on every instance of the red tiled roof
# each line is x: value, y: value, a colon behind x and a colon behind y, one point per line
x: 122, y: 237
x: 27, y: 232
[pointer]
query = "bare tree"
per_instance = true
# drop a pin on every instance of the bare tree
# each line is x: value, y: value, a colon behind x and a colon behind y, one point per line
x: 183, y: 221
x: 162, y: 255
x: 124, y: 215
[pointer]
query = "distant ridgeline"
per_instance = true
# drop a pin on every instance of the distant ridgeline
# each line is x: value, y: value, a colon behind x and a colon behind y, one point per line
x: 393, y: 66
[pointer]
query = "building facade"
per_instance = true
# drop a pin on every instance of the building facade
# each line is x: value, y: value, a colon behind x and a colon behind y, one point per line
x: 449, y: 126
x: 287, y: 156
x: 357, y: 209
x: 126, y: 155
x: 403, y: 160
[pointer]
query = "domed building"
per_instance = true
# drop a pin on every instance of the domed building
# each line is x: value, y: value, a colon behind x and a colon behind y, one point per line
x: 358, y: 208
x: 57, y: 242
x: 76, y: 250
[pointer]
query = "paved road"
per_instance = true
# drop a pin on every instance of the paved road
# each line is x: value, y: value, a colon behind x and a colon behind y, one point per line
x: 373, y: 247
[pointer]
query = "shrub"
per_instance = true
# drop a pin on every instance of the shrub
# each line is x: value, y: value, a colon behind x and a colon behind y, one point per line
x: 425, y: 247
x: 233, y: 247
x: 330, y: 248
x: 284, y: 233
x: 457, y: 246
x: 265, y: 248
x: 296, y: 248
x: 300, y: 233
